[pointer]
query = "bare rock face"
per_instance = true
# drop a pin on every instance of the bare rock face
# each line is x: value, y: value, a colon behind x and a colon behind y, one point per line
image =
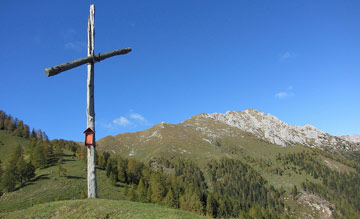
x: 270, y: 128
x: 351, y: 138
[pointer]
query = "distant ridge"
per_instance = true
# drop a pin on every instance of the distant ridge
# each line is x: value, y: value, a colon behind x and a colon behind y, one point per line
x: 269, y: 127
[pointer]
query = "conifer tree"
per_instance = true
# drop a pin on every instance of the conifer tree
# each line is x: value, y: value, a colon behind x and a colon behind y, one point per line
x: 33, y: 134
x: 2, y: 119
x: 170, y: 200
x: 113, y: 178
x: 38, y: 159
x: 132, y: 193
x: 9, y: 179
x: 21, y: 170
x: 141, y: 191
x: 19, y: 131
x: 211, y: 206
x: 122, y: 176
x: 26, y: 132
x: 157, y: 187
x: 61, y: 170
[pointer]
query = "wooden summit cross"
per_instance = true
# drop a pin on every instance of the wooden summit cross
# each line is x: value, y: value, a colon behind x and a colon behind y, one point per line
x: 90, y: 111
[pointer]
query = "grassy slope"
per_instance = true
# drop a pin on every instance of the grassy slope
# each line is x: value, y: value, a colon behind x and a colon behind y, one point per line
x: 98, y: 208
x: 47, y: 186
x: 8, y: 144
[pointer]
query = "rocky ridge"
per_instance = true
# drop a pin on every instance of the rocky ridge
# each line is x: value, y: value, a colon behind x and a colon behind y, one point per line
x: 270, y: 128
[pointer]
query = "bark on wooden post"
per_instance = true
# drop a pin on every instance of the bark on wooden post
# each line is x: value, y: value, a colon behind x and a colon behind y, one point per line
x: 90, y: 110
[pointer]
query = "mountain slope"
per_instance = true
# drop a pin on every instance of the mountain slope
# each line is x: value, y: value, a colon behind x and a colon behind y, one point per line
x: 202, y: 135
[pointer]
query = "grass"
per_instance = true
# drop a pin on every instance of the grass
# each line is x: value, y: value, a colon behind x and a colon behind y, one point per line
x: 176, y: 141
x: 47, y: 186
x: 98, y: 208
x: 8, y: 143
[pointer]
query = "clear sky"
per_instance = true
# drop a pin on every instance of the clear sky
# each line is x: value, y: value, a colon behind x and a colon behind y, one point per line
x: 297, y: 60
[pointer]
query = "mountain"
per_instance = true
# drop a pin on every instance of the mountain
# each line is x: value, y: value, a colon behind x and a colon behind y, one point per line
x: 205, y: 132
x: 310, y: 167
x: 351, y: 138
x: 270, y: 128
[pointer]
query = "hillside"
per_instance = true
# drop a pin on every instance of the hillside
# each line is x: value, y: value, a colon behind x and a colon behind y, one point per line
x: 202, y: 165
x: 98, y: 208
x: 245, y: 129
x: 261, y: 141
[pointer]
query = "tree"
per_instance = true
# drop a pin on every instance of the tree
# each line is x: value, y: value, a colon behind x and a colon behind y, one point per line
x: 39, y: 134
x: 157, y: 187
x: 48, y: 152
x: 33, y: 134
x: 121, y: 167
x: 191, y: 203
x: 211, y: 206
x: 131, y: 193
x: 61, y: 170
x: 26, y: 132
x: 170, y: 199
x: 294, y: 191
x: 133, y: 171
x: 21, y: 170
x: 9, y: 180
x: 19, y: 131
x: 113, y: 178
x: 141, y: 191
x: 30, y: 172
x: 2, y: 119
x: 38, y: 159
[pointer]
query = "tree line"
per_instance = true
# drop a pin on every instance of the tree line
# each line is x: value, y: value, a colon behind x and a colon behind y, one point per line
x: 342, y: 188
x: 39, y: 153
x: 16, y: 127
x: 236, y: 189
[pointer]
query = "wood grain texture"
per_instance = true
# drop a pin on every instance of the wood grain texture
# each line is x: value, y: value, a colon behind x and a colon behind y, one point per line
x: 90, y: 109
x: 93, y: 58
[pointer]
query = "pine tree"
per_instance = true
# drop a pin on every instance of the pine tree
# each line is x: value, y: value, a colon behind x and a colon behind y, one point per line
x: 131, y: 193
x: 38, y: 159
x: 113, y: 178
x: 39, y: 135
x: 157, y: 187
x: 21, y: 170
x: 33, y: 134
x: 19, y: 131
x: 211, y: 206
x: 170, y: 200
x: 7, y: 122
x: 2, y: 119
x: 26, y: 132
x: 141, y: 191
x: 48, y: 153
x: 30, y: 172
x: 9, y: 179
x: 61, y: 170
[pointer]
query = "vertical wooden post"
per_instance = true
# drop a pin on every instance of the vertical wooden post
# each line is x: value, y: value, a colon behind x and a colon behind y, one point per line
x: 90, y: 109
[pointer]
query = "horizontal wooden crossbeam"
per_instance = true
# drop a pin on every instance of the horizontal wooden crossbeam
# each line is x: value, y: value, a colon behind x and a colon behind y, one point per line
x: 96, y: 58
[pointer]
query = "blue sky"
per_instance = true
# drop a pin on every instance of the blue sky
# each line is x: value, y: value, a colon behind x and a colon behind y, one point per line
x: 297, y: 60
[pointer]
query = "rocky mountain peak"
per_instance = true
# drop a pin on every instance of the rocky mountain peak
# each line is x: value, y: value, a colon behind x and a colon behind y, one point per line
x: 272, y: 129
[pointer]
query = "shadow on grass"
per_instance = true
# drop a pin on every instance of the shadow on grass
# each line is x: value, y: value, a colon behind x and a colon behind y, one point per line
x: 75, y: 177
x: 42, y: 176
x: 67, y: 160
